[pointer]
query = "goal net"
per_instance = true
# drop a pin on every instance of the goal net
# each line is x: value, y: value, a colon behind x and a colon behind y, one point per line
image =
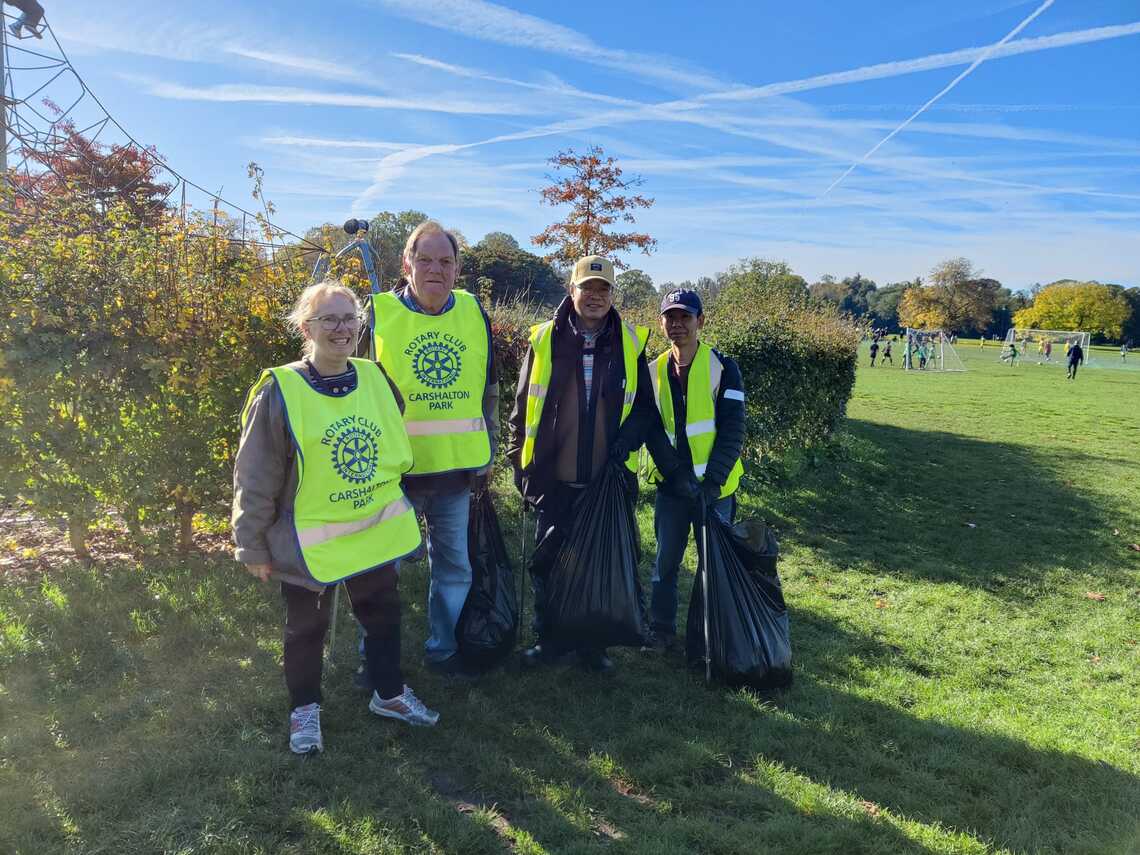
x: 930, y: 350
x: 1046, y: 347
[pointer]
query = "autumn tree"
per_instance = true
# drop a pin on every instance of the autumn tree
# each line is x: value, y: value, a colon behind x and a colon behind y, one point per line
x: 104, y: 175
x: 955, y: 298
x: 1086, y: 306
x: 593, y: 186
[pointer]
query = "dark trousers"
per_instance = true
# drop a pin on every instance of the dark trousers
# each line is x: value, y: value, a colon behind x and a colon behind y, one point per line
x: 1073, y: 370
x: 673, y: 519
x: 375, y: 601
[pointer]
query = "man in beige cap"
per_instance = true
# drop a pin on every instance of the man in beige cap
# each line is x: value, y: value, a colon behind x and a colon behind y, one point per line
x: 576, y: 407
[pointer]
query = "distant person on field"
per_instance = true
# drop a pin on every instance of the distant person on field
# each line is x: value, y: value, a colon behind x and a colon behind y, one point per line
x: 874, y: 351
x: 1048, y: 350
x: 318, y: 501
x: 1076, y: 357
x: 1124, y: 352
x: 886, y: 354
x: 1010, y: 354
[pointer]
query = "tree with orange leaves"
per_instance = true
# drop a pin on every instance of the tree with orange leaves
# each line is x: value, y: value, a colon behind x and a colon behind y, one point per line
x: 593, y: 188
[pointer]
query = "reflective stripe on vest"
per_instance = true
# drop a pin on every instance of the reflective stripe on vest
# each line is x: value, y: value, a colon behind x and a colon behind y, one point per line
x: 349, y: 512
x: 702, y: 388
x: 633, y: 341
x: 439, y: 364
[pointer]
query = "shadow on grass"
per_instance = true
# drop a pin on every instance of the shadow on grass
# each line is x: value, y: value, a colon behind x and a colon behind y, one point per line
x: 721, y: 768
x: 944, y: 507
x: 144, y: 711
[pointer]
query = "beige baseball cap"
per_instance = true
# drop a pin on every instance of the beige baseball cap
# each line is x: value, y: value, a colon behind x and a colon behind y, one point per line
x: 593, y: 267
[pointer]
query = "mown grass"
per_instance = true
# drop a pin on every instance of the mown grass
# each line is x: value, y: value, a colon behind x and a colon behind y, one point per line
x: 957, y: 690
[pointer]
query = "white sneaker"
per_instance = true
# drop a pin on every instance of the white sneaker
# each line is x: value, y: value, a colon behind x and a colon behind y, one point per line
x: 305, y: 730
x: 404, y: 707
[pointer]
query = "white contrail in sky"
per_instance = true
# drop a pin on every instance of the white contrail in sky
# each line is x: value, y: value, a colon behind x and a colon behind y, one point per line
x: 982, y: 58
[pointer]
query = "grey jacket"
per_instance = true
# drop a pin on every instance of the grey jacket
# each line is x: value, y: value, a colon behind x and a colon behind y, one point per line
x: 265, y: 482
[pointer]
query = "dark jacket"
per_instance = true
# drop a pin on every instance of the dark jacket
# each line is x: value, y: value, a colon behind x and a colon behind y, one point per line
x: 729, y: 422
x: 1076, y: 354
x: 564, y: 450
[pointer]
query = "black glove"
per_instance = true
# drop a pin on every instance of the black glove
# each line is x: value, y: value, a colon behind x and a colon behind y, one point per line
x: 710, y: 493
x: 620, y: 451
x: 684, y: 484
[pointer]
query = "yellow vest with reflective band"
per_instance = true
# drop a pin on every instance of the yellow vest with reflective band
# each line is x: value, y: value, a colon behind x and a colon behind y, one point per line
x: 349, y: 511
x: 439, y: 364
x: 633, y: 341
x: 703, y: 386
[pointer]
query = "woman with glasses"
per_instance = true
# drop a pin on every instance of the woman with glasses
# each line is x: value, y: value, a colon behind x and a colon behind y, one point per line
x: 317, y: 501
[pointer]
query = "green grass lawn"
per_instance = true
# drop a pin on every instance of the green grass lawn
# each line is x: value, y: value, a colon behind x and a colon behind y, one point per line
x: 957, y: 689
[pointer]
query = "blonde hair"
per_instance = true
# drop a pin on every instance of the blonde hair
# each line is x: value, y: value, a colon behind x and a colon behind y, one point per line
x: 425, y: 228
x: 303, y: 309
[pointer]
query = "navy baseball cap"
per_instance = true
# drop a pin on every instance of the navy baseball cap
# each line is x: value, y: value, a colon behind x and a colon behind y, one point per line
x: 682, y: 298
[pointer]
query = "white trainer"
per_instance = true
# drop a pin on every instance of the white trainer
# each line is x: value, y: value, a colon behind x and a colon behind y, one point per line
x: 305, y: 730
x: 404, y: 707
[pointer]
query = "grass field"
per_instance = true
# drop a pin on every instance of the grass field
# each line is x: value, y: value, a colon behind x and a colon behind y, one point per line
x: 965, y: 616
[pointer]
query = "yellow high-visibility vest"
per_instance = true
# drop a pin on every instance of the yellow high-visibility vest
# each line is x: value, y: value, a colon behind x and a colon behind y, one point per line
x: 633, y: 340
x: 350, y: 512
x: 702, y: 388
x: 439, y: 364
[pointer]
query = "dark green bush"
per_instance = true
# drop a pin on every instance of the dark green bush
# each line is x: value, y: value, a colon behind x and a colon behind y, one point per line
x: 797, y: 357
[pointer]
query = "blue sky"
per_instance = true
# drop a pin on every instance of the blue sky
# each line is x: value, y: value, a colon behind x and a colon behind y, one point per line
x: 739, y: 115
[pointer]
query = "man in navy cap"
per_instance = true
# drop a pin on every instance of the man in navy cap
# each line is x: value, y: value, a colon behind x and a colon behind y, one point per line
x: 700, y: 395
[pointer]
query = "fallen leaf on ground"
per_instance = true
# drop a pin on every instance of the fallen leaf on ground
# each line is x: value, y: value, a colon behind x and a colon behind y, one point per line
x: 1095, y: 595
x: 1135, y: 547
x: 971, y: 525
x: 1094, y: 659
x: 871, y: 808
x: 1116, y: 532
x: 881, y: 604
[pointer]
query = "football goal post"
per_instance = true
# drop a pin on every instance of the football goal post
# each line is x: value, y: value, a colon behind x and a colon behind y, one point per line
x: 930, y: 350
x: 1047, y: 347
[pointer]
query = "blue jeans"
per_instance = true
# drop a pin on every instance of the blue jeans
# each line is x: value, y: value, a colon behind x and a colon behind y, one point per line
x: 672, y: 520
x: 448, y: 563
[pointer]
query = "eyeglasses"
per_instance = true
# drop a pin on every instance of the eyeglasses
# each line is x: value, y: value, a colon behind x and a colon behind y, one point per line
x: 331, y: 323
x: 603, y: 291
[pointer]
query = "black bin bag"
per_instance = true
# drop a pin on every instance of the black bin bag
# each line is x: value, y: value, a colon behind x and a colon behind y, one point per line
x: 593, y: 594
x: 489, y: 622
x: 748, y: 620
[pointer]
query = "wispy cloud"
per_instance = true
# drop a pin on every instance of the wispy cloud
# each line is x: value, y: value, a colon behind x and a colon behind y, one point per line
x: 924, y: 63
x: 558, y: 88
x: 329, y: 142
x: 243, y: 92
x: 305, y: 65
x: 943, y: 91
x: 491, y: 22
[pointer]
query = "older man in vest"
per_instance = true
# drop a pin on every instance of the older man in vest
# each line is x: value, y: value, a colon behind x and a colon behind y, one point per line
x: 434, y: 341
x: 700, y: 396
x: 584, y: 398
